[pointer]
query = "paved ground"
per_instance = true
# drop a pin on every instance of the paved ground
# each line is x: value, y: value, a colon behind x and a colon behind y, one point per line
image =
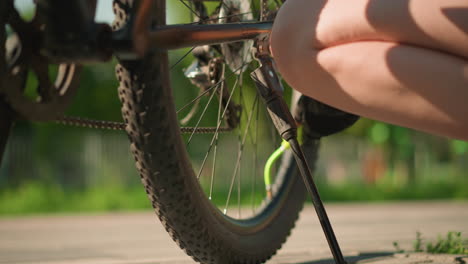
x: 366, y: 233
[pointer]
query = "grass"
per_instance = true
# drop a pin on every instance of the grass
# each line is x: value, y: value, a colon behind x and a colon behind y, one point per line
x: 355, y: 191
x: 33, y: 198
x: 452, y: 243
x: 36, y: 198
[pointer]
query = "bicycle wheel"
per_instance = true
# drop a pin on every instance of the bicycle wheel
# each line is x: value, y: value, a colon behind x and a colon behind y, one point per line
x: 210, y: 213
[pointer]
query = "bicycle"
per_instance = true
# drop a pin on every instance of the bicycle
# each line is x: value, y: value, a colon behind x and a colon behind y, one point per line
x: 184, y: 202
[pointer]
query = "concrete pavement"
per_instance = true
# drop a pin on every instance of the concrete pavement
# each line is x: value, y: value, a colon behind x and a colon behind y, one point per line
x: 366, y: 233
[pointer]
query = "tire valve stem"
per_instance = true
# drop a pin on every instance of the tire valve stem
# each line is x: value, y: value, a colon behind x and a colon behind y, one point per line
x: 269, y: 166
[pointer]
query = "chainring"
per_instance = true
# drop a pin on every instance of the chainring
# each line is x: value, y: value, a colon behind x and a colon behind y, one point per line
x: 23, y: 57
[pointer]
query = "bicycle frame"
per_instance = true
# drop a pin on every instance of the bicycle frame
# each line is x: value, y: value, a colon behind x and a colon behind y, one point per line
x: 136, y: 38
x: 180, y: 36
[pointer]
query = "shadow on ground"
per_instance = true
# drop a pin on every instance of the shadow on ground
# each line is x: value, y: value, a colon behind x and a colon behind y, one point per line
x: 352, y: 259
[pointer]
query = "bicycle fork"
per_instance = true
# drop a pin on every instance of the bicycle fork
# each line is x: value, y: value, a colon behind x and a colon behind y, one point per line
x: 271, y: 89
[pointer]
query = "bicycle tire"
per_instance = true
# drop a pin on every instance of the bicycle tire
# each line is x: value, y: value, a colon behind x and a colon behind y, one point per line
x: 199, y: 228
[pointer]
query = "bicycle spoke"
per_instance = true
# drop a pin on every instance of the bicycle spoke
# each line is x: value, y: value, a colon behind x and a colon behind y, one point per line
x: 219, y: 17
x: 192, y: 113
x: 249, y: 135
x: 198, y: 97
x: 182, y: 58
x: 203, y: 20
x: 255, y: 157
x: 201, y: 116
x: 191, y: 9
x: 278, y: 3
x: 253, y: 6
x: 191, y: 13
x: 230, y: 16
x: 222, y: 4
x: 241, y: 99
x: 239, y: 157
x: 209, y: 89
x: 239, y: 191
x: 217, y: 131
x: 213, y: 170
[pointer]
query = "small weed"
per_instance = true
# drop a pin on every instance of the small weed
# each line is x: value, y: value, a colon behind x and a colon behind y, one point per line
x: 453, y: 243
x: 417, y: 244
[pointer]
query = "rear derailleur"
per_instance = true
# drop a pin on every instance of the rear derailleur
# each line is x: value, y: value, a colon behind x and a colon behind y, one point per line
x: 207, y: 72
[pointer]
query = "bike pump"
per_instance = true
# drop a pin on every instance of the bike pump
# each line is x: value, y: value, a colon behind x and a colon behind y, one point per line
x: 271, y: 90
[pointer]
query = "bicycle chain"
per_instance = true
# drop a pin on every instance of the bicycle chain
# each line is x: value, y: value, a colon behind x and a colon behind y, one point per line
x: 113, y: 125
x: 265, y: 11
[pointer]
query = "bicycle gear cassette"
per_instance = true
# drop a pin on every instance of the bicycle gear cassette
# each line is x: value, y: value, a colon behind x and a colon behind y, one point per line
x: 238, y: 54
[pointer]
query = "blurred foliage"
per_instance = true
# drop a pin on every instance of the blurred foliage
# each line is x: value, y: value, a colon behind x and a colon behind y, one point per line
x: 357, y: 191
x: 38, y: 197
